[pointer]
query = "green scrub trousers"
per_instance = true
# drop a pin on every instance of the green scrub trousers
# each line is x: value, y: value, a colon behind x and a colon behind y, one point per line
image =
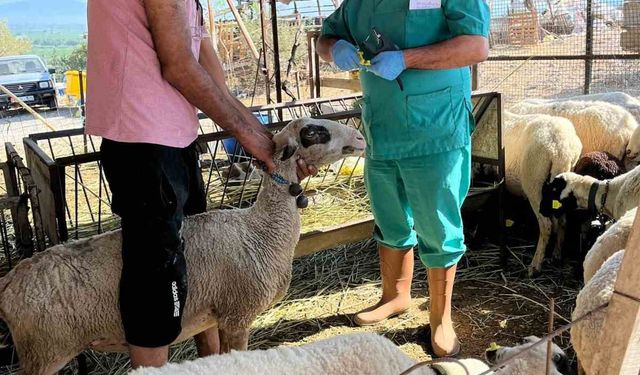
x: 418, y: 165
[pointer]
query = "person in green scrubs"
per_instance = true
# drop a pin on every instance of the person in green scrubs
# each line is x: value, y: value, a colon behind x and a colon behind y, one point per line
x: 418, y: 166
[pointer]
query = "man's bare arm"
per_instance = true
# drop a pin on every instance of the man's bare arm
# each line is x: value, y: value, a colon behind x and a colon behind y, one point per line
x: 460, y: 51
x: 323, y: 46
x: 172, y: 40
x: 210, y: 61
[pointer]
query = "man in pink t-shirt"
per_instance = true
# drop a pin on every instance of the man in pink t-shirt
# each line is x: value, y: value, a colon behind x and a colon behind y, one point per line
x: 150, y: 64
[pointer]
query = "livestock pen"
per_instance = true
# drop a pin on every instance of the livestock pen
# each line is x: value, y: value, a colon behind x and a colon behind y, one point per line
x: 547, y: 50
x: 327, y: 286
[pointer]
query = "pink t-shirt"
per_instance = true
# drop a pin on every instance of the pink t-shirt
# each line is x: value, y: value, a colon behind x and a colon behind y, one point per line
x: 128, y: 100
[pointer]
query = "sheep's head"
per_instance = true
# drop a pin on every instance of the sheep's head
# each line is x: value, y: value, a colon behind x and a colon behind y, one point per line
x: 533, y: 362
x: 318, y: 142
x: 558, y: 196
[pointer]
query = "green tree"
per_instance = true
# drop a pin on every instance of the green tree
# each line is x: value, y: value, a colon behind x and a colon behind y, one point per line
x: 76, y: 60
x: 10, y: 44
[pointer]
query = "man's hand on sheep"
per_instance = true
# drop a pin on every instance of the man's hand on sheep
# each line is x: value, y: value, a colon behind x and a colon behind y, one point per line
x: 305, y: 170
x: 258, y: 142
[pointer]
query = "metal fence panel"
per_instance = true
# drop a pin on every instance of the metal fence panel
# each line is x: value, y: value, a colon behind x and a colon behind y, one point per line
x: 552, y: 48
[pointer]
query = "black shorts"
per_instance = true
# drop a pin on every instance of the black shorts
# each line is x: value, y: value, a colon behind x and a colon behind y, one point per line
x: 153, y: 187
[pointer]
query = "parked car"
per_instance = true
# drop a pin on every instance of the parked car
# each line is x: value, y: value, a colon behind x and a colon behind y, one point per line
x: 28, y: 78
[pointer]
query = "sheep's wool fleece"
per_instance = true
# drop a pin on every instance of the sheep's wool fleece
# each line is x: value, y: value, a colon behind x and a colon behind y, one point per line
x: 360, y: 353
x: 598, y: 291
x: 600, y: 165
x: 600, y: 126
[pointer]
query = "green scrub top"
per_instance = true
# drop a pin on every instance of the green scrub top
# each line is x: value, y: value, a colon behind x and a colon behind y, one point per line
x: 433, y: 113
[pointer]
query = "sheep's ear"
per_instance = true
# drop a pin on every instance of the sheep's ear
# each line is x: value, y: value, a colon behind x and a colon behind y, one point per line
x: 288, y: 151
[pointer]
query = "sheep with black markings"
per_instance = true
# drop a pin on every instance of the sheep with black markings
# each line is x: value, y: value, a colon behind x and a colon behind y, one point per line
x: 612, y: 197
x: 583, y: 226
x: 536, y: 148
x: 65, y: 299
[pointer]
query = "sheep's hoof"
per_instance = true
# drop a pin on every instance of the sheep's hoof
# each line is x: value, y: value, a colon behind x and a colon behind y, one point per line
x: 533, y: 272
x: 557, y: 260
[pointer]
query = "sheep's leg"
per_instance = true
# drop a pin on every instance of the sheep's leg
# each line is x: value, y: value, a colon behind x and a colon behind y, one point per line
x: 233, y: 339
x: 580, y: 368
x: 545, y: 226
x: 559, y: 226
x: 46, y: 356
x: 208, y: 342
x: 33, y: 363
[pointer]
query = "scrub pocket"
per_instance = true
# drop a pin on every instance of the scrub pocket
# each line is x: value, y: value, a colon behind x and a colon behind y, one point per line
x: 440, y: 118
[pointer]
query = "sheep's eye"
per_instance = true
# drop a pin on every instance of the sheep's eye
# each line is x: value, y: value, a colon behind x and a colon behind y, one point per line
x: 314, y: 134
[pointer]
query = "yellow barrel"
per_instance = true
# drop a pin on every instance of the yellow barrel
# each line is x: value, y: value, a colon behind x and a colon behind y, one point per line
x: 72, y: 83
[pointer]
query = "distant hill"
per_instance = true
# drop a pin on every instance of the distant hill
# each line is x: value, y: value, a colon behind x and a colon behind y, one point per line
x: 28, y: 13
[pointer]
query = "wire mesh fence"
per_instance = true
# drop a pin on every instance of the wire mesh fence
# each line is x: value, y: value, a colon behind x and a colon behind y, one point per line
x: 552, y: 48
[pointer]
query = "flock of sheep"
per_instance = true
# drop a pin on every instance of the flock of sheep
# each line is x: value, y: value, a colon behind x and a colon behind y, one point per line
x: 64, y: 300
x: 545, y: 142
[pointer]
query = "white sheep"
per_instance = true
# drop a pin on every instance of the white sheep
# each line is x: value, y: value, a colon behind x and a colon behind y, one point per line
x: 626, y: 101
x: 65, y: 299
x: 359, y: 353
x: 536, y: 148
x: 613, y: 239
x: 572, y: 191
x: 600, y: 126
x: 598, y: 291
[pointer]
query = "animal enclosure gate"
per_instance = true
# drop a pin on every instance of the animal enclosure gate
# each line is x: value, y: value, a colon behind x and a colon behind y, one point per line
x: 551, y: 48
x: 21, y: 234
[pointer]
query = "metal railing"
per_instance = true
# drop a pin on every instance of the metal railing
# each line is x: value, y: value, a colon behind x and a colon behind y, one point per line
x: 75, y: 197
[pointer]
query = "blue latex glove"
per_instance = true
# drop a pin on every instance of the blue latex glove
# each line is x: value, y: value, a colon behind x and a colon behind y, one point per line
x: 345, y: 55
x: 388, y: 64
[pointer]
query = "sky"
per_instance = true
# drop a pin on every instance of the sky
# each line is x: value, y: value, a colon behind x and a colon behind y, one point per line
x: 307, y: 7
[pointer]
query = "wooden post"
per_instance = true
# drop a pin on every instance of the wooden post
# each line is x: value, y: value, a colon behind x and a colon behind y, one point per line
x: 265, y: 62
x: 243, y: 29
x: 212, y: 25
x: 619, y: 342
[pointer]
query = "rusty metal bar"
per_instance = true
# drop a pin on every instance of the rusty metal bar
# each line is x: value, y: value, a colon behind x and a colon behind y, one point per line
x: 265, y: 64
x: 276, y: 51
x: 588, y: 62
